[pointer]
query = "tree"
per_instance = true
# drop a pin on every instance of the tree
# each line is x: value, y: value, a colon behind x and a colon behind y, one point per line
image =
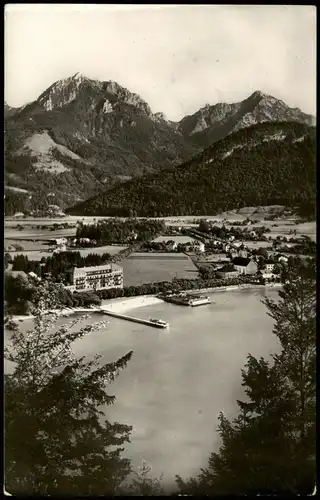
x: 143, y: 484
x: 263, y: 252
x: 261, y: 262
x: 204, y: 226
x: 295, y: 327
x: 7, y: 260
x: 278, y: 268
x: 56, y: 442
x: 18, y: 293
x: 270, y: 446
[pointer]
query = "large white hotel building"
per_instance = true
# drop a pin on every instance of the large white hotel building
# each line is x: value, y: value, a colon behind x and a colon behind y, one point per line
x: 95, y: 278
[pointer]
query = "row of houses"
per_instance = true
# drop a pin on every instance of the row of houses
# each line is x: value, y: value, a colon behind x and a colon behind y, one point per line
x: 246, y: 265
x: 183, y: 243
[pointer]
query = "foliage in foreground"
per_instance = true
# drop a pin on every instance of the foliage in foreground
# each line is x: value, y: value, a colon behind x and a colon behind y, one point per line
x: 56, y: 442
x: 143, y: 484
x: 270, y: 446
x: 21, y: 292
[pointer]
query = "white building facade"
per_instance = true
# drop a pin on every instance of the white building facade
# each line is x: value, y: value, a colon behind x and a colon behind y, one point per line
x: 96, y: 278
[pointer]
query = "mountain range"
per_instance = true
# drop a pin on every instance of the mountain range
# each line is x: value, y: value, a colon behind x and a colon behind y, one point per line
x: 212, y: 123
x: 82, y: 137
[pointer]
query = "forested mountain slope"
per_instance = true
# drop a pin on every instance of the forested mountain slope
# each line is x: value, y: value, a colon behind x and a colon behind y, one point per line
x: 82, y: 135
x: 268, y: 163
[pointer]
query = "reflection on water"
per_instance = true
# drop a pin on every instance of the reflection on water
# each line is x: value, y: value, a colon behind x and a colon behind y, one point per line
x: 180, y: 379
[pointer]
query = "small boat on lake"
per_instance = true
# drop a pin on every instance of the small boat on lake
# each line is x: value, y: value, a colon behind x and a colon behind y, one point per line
x: 159, y: 322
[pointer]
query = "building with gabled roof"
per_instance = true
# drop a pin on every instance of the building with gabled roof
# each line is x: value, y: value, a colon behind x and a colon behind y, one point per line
x: 245, y: 265
x: 227, y: 271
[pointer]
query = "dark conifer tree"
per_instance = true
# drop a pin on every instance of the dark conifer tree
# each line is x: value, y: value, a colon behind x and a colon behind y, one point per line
x: 56, y: 442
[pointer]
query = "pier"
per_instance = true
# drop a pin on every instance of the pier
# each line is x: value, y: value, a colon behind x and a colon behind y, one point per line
x: 187, y: 299
x: 131, y: 318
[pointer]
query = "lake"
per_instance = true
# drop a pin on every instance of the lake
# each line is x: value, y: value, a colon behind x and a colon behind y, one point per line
x: 179, y: 379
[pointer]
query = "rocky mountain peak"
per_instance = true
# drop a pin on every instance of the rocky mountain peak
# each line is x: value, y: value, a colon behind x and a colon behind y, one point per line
x: 62, y: 92
x: 258, y: 93
x: 160, y: 117
x: 87, y: 134
x: 124, y: 96
x: 211, y: 123
x: 78, y: 76
x: 9, y: 110
x: 67, y: 90
x: 113, y: 87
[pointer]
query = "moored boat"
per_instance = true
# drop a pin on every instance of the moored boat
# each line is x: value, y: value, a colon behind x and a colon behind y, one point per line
x: 159, y: 322
x: 188, y: 299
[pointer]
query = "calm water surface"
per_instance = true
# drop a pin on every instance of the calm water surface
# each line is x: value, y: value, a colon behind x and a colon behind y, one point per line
x: 178, y: 380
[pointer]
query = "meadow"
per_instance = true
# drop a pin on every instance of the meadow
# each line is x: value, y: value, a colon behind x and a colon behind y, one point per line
x: 37, y: 234
x: 149, y: 268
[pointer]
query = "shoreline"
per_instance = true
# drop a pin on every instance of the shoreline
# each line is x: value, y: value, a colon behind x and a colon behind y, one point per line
x: 124, y: 304
x: 227, y: 288
x: 68, y: 311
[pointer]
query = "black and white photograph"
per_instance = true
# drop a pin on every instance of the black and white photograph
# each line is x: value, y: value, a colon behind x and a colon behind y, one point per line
x: 159, y: 250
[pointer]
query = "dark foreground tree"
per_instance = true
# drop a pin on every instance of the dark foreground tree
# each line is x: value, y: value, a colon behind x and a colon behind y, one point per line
x: 56, y: 442
x: 270, y: 446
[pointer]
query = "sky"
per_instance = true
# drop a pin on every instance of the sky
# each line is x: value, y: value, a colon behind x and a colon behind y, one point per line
x: 177, y: 58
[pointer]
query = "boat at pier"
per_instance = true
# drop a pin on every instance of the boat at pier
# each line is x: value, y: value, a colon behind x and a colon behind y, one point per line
x: 159, y: 322
x: 186, y: 299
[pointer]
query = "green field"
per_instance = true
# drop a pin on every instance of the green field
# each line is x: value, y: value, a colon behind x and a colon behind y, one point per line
x: 149, y: 268
x: 37, y: 234
x: 26, y: 245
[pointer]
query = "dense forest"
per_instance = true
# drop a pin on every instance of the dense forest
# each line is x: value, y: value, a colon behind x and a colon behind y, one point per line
x: 110, y: 231
x: 265, y: 164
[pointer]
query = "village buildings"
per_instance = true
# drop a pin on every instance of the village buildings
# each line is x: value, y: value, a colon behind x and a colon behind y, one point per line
x: 269, y: 265
x: 227, y: 271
